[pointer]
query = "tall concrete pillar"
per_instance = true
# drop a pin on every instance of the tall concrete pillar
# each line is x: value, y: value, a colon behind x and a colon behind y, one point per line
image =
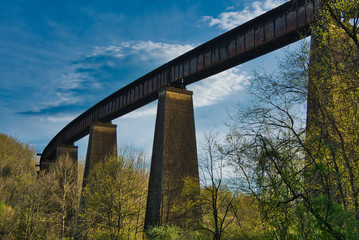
x: 70, y: 152
x: 66, y: 158
x: 102, y: 143
x: 67, y: 151
x: 332, y: 116
x: 46, y: 166
x: 174, y: 157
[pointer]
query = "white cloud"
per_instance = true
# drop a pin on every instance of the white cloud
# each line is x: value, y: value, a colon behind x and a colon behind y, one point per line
x: 65, y: 98
x: 73, y: 78
x: 61, y: 99
x: 214, y: 89
x: 115, y: 51
x: 135, y: 54
x: 229, y: 20
x: 145, y: 50
x: 163, y: 51
x: 60, y: 118
x: 142, y: 112
x: 206, y: 92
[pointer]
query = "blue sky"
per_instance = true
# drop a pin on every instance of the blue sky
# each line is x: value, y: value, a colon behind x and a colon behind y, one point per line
x: 58, y: 58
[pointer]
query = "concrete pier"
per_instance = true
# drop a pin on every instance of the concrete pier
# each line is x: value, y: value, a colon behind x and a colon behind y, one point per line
x: 102, y: 143
x: 67, y: 151
x: 174, y: 157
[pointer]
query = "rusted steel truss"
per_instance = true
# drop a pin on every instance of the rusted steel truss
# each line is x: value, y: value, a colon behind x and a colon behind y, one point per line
x: 268, y: 32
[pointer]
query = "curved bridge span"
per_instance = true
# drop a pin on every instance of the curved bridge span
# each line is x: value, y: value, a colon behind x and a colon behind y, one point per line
x: 268, y: 32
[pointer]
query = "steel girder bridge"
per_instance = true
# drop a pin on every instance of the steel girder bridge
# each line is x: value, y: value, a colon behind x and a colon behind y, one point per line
x: 272, y: 30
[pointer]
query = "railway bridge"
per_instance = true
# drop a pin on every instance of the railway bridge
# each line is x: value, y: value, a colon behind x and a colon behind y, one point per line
x: 174, y: 155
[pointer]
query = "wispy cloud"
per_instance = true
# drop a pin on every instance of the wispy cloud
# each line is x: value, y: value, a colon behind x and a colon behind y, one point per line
x: 115, y: 62
x: 104, y: 70
x: 231, y: 19
x: 85, y: 78
x: 208, y: 91
x: 145, y: 50
x: 214, y: 89
x: 60, y: 118
x: 143, y: 112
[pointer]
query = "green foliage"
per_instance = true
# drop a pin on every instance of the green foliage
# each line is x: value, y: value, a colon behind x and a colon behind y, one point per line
x: 45, y: 206
x: 35, y: 206
x: 296, y: 177
x: 17, y: 176
x: 343, y: 221
x: 164, y: 233
x: 8, y: 221
x: 174, y: 232
x: 17, y: 168
x: 115, y: 198
x: 303, y: 172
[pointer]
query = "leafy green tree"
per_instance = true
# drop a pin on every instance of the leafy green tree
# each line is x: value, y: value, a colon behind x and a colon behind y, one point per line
x: 17, y: 169
x: 63, y: 189
x: 303, y: 171
x: 247, y: 219
x: 332, y: 103
x: 115, y: 197
x: 164, y: 233
x: 35, y: 206
x: 8, y: 222
x: 17, y: 176
x: 216, y: 199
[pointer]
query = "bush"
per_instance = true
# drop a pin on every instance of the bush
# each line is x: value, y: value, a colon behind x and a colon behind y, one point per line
x: 164, y: 233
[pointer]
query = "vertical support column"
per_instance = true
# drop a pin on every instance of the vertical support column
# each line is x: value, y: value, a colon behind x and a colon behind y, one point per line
x: 66, y: 170
x: 318, y: 97
x: 102, y: 143
x: 69, y: 151
x: 332, y: 115
x: 174, y: 157
x: 46, y: 165
x: 64, y: 152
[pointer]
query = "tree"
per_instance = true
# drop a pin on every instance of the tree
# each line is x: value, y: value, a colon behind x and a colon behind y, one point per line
x: 333, y: 90
x: 17, y: 168
x: 115, y: 197
x: 64, y: 188
x: 17, y: 176
x: 303, y: 171
x: 35, y: 206
x: 344, y: 14
x: 216, y: 198
x: 225, y: 213
x: 214, y: 205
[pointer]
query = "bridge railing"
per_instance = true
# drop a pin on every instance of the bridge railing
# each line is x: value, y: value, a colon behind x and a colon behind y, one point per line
x: 265, y: 33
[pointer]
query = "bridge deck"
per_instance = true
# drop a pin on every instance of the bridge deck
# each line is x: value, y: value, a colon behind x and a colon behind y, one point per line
x: 268, y: 32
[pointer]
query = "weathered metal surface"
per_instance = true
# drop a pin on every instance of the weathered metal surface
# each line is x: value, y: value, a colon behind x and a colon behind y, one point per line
x: 270, y: 31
